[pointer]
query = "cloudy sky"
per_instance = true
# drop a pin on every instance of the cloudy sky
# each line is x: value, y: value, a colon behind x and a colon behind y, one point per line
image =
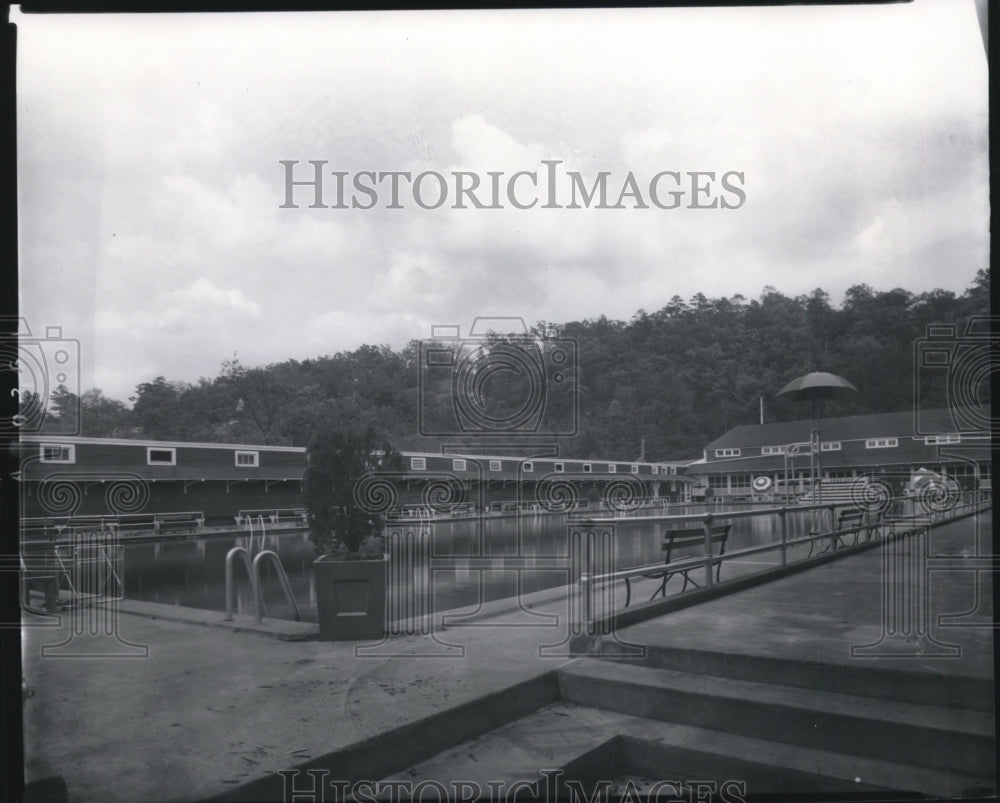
x: 151, y: 183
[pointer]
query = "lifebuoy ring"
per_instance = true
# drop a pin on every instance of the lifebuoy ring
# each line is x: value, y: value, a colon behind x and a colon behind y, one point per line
x: 761, y: 484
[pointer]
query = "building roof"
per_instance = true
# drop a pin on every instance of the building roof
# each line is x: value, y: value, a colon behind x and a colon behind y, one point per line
x: 909, y: 452
x: 72, y: 439
x: 902, y: 425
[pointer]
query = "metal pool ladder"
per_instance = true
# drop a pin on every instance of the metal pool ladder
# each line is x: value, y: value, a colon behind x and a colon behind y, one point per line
x: 253, y: 572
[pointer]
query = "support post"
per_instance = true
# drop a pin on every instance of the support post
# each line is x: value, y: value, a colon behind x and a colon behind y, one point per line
x: 708, y: 551
x: 784, y: 536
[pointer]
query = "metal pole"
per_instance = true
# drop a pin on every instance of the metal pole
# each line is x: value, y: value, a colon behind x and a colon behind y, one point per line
x: 708, y: 550
x: 784, y: 536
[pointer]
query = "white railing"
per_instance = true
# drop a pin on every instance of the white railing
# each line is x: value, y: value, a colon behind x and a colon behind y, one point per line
x: 594, y: 542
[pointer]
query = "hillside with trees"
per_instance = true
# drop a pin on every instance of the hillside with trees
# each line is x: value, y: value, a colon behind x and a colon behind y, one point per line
x: 677, y: 377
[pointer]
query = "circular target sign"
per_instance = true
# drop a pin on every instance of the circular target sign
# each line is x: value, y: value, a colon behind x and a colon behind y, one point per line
x: 761, y: 484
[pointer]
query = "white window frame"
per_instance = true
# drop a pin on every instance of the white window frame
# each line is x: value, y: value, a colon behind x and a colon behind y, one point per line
x: 418, y: 464
x: 656, y: 469
x: 612, y: 468
x: 635, y: 468
x: 151, y: 449
x: 527, y: 467
x: 773, y: 449
x: 243, y: 453
x: 830, y: 446
x: 69, y: 448
x: 941, y: 440
x: 727, y: 452
x: 588, y: 468
x: 496, y: 465
x: 881, y: 443
x: 559, y: 468
x: 458, y: 464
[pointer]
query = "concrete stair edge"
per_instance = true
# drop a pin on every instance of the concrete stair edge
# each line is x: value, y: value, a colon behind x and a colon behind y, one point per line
x: 892, y: 731
x: 900, y: 684
x: 678, y: 749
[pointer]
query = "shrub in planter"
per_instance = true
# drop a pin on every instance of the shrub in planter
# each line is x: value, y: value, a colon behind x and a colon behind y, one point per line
x: 351, y: 569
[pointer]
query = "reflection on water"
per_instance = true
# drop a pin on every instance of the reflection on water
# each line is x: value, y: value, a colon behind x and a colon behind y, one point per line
x: 192, y: 572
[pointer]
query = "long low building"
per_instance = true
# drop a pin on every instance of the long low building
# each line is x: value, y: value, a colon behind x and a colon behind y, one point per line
x: 215, y: 484
x: 775, y: 458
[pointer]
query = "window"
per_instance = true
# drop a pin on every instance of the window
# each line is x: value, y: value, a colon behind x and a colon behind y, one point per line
x: 458, y: 465
x: 528, y: 467
x: 418, y: 463
x: 830, y: 446
x: 656, y: 469
x: 161, y: 457
x: 881, y: 443
x: 587, y: 468
x: 612, y: 468
x: 557, y: 467
x: 740, y: 481
x: 727, y: 452
x: 717, y: 481
x: 673, y: 469
x: 248, y: 459
x: 933, y: 440
x: 773, y: 449
x: 57, y: 453
x: 635, y: 469
x: 494, y: 465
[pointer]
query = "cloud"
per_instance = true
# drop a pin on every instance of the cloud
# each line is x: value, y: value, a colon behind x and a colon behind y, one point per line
x: 150, y: 184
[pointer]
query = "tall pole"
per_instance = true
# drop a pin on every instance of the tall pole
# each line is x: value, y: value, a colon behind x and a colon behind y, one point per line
x: 762, y: 410
x: 817, y: 448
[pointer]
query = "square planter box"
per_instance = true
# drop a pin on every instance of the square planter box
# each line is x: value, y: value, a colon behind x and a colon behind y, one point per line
x: 350, y: 597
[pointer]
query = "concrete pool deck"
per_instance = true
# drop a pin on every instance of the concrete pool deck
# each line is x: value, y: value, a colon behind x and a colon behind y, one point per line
x: 208, y: 709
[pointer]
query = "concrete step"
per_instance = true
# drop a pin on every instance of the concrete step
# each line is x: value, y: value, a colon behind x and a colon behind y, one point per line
x: 564, y: 743
x: 955, y: 740
x: 862, y: 678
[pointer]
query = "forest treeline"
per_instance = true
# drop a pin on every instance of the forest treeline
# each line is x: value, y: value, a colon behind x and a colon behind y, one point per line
x: 676, y: 378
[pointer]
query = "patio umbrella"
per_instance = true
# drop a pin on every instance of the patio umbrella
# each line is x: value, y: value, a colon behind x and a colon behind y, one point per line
x: 814, y: 387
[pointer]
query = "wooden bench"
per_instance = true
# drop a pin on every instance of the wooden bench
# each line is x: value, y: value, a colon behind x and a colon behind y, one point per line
x: 136, y: 522
x: 851, y: 521
x: 52, y: 529
x: 189, y: 520
x: 676, y: 563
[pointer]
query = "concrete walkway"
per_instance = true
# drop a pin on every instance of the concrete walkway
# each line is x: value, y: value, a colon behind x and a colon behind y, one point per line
x: 208, y: 709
